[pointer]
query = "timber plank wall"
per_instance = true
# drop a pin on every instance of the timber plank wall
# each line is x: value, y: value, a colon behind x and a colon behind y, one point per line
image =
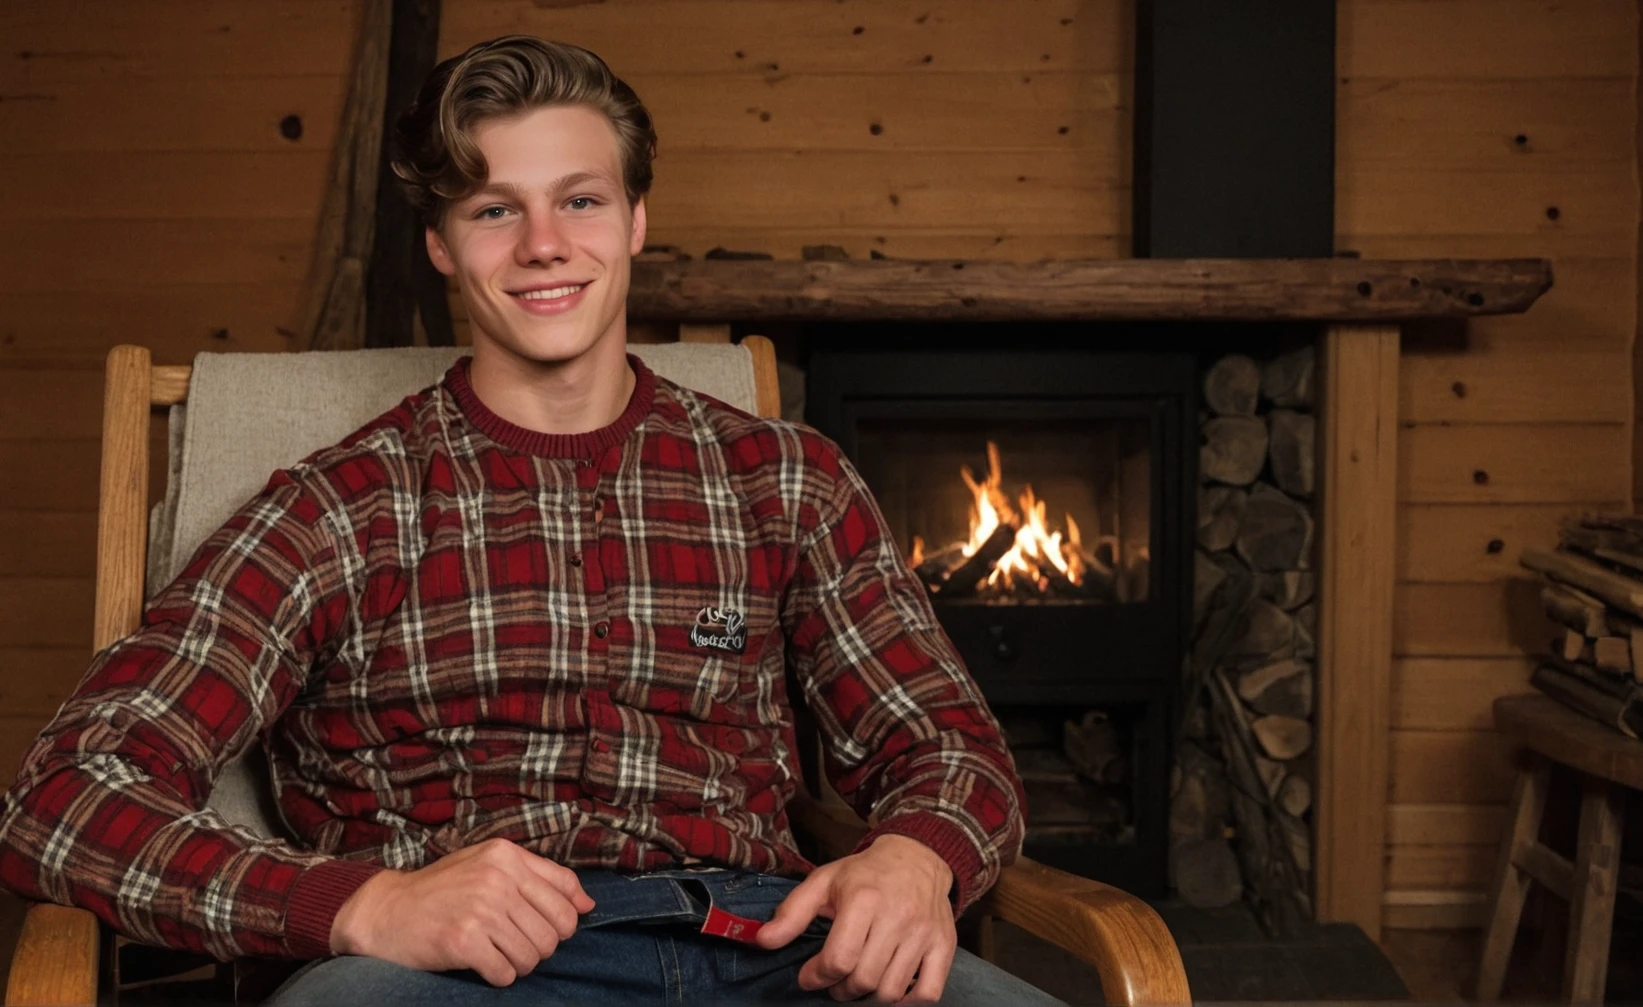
x: 151, y: 196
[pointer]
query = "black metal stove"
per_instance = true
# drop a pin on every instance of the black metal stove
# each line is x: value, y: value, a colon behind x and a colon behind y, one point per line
x: 1078, y: 653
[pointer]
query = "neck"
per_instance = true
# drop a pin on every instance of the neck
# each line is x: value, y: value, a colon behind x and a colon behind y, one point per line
x: 573, y: 396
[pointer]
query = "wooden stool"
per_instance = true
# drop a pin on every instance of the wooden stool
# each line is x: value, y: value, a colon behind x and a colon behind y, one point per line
x: 1608, y: 762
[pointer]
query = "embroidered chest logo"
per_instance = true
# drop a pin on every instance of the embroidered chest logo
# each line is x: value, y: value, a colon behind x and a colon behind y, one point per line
x: 719, y: 629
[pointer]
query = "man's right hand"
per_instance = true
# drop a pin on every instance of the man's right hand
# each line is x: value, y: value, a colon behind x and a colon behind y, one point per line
x: 494, y: 908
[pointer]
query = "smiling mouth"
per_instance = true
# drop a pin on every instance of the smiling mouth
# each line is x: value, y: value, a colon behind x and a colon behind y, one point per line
x: 551, y: 294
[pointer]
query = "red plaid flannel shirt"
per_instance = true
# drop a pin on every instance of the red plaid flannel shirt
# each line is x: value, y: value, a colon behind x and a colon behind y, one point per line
x: 448, y: 628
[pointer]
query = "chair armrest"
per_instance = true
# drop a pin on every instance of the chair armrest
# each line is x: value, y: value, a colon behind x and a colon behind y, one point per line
x: 56, y: 958
x: 1117, y: 933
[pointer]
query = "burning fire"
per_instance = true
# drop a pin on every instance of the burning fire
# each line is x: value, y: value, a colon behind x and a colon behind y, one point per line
x: 1037, y: 557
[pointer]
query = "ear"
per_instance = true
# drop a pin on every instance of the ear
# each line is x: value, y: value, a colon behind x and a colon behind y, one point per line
x: 637, y: 245
x: 438, y: 253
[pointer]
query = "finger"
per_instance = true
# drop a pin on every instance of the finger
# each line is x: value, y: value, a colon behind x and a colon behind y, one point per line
x: 796, y: 911
x: 560, y: 877
x: 840, y: 953
x: 492, y: 965
x: 932, y: 974
x: 539, y: 931
x: 551, y: 905
x: 515, y: 947
x: 898, y: 975
x: 877, y: 951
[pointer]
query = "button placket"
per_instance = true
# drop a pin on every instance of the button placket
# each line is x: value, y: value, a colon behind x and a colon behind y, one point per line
x: 594, y: 483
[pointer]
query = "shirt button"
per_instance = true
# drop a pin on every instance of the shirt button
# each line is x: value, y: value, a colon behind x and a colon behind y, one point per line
x: 575, y: 559
x: 601, y: 629
x: 600, y: 745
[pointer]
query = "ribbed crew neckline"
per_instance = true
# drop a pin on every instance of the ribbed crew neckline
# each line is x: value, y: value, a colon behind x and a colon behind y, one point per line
x: 584, y: 445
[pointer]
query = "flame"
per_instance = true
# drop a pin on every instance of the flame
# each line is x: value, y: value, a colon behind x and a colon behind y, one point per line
x: 1036, y: 551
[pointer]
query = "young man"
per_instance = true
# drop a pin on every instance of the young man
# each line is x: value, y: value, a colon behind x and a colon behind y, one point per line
x: 518, y: 651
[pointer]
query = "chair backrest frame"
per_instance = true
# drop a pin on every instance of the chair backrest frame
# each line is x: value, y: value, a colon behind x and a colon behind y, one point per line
x: 134, y: 387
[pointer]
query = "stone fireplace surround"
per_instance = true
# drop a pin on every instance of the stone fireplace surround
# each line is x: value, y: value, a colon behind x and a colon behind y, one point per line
x: 1356, y: 308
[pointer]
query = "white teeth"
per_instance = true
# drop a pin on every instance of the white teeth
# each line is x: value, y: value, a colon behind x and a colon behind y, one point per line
x: 548, y: 295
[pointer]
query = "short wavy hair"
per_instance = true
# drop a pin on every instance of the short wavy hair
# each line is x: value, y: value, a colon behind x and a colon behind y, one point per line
x: 434, y: 152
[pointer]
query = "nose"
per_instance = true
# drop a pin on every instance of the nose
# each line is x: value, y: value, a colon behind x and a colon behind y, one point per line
x: 541, y: 241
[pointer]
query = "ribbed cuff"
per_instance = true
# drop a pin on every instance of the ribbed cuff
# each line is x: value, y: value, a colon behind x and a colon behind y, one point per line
x: 949, y: 843
x: 312, y: 906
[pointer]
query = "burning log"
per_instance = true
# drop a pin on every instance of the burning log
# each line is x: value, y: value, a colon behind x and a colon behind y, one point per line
x: 965, y: 577
x: 939, y: 564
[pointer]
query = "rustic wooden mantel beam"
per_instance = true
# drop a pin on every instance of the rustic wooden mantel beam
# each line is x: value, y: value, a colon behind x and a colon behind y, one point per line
x: 1324, y: 290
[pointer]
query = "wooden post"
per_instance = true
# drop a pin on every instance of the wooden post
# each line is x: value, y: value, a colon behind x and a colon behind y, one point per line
x: 1358, y: 487
x: 122, y: 519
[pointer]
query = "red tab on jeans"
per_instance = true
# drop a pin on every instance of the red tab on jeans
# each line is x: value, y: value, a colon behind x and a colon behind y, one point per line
x: 730, y: 926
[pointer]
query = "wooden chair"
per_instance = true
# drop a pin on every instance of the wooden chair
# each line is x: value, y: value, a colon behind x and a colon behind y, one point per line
x: 61, y: 957
x: 1609, y: 763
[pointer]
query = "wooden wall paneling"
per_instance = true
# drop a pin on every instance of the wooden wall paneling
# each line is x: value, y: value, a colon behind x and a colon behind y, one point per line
x: 1430, y: 824
x: 118, y: 43
x: 891, y: 110
x: 775, y: 40
x: 87, y: 115
x: 1476, y: 767
x: 1449, y: 694
x: 34, y: 681
x: 1458, y: 866
x: 247, y: 187
x: 1540, y: 385
x: 1472, y: 543
x: 175, y: 320
x: 1435, y: 909
x: 62, y: 475
x: 1515, y: 39
x: 1359, y: 404
x: 1493, y: 619
x: 1488, y: 124
x: 1521, y: 463
x: 17, y: 733
x: 127, y: 255
x: 1589, y: 308
x: 47, y: 403
x: 1637, y: 305
x: 45, y: 611
x: 1034, y: 190
x: 47, y: 544
x: 1509, y: 204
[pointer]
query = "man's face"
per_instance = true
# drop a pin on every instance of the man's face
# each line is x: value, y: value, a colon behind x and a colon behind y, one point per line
x: 541, y: 251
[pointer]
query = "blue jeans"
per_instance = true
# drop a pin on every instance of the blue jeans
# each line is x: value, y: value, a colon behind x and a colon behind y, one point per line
x: 642, y: 944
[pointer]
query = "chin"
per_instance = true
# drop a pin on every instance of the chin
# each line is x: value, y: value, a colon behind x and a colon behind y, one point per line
x: 546, y: 348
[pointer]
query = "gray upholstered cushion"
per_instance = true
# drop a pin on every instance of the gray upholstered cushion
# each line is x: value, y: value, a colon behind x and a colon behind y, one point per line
x: 250, y: 414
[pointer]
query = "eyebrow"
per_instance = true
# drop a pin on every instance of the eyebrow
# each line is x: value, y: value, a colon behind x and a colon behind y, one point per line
x: 560, y: 184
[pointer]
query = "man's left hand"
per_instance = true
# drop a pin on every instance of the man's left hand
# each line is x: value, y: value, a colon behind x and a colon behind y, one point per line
x: 891, y: 917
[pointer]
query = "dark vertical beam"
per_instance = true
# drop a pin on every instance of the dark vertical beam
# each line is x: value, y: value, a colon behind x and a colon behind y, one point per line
x: 401, y: 280
x: 1234, y: 128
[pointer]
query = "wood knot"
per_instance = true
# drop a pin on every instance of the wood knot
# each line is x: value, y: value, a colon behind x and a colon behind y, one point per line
x: 1480, y: 477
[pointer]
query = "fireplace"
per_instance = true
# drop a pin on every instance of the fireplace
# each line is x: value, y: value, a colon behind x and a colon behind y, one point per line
x: 1042, y: 498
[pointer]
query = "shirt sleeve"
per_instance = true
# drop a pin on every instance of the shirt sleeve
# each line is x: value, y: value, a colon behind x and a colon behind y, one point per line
x: 108, y: 811
x: 908, y: 740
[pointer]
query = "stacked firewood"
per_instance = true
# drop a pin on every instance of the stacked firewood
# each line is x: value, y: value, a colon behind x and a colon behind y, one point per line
x: 1243, y: 791
x: 1594, y: 591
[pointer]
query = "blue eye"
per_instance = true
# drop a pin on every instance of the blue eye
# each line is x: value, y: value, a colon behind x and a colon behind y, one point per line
x: 586, y: 202
x: 491, y: 213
